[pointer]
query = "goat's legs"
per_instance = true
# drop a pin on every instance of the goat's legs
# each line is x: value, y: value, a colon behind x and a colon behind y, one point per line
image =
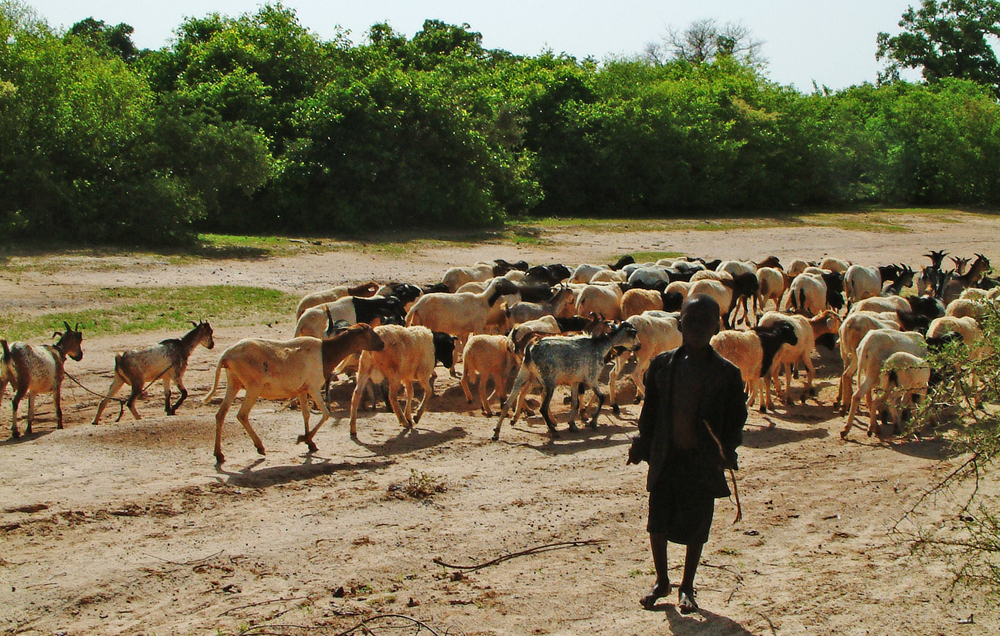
x: 547, y: 415
x: 171, y: 410
x: 31, y: 410
x: 57, y: 396
x: 116, y: 384
x: 14, y: 403
x: 304, y: 396
x: 404, y: 419
x: 465, y: 384
x: 600, y: 403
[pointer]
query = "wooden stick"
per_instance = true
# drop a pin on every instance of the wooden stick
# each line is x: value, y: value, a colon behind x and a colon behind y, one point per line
x: 535, y: 550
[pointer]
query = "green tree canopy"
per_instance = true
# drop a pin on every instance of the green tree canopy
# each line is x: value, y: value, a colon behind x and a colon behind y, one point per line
x: 946, y: 38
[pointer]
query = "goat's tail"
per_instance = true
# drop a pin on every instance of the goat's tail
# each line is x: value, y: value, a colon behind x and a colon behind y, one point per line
x: 413, y: 318
x: 6, y: 350
x: 218, y: 372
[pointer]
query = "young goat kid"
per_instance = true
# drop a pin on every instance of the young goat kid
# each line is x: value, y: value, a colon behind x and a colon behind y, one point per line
x: 34, y: 369
x: 166, y: 361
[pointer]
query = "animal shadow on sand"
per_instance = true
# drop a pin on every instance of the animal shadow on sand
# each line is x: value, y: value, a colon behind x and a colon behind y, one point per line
x: 277, y: 475
x: 408, y: 440
x: 761, y: 438
x: 569, y: 442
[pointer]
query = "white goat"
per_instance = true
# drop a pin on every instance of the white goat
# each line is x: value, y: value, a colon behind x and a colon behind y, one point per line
x: 602, y: 300
x: 488, y: 357
x: 904, y: 379
x: 657, y: 332
x: 458, y: 276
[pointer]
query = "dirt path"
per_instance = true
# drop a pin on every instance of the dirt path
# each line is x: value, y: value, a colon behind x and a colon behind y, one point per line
x: 129, y: 527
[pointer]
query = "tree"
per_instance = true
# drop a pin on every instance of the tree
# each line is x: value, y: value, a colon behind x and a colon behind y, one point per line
x: 106, y: 40
x: 705, y: 41
x: 946, y: 38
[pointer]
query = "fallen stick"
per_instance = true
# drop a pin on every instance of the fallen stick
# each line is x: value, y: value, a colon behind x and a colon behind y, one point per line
x: 513, y: 555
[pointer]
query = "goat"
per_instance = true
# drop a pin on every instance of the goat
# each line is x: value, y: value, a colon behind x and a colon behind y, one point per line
x: 35, y: 369
x: 862, y: 282
x: 166, y: 361
x: 835, y: 265
x: 957, y: 284
x: 874, y: 349
x: 365, y: 290
x: 278, y: 370
x: 746, y: 290
x: 577, y: 362
x: 753, y: 352
x: 407, y: 356
x: 406, y: 293
x: 722, y: 294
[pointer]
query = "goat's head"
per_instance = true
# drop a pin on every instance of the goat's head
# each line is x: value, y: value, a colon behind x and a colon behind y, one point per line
x: 905, y: 278
x: 937, y: 257
x: 960, y: 264
x: 70, y: 341
x: 203, y: 334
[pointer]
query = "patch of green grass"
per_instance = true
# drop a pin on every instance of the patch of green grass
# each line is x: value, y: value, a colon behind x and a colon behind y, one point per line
x: 116, y: 310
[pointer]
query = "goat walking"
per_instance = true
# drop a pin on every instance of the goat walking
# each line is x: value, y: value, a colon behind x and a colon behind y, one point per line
x: 35, y: 369
x: 166, y: 361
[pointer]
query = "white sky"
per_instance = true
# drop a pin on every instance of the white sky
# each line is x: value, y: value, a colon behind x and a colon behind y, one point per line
x: 831, y: 42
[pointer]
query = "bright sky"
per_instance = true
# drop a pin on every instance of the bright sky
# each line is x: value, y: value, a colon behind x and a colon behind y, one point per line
x: 831, y: 42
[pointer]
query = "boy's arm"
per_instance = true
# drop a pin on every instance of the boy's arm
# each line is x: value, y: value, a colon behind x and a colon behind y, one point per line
x: 735, y: 400
x: 639, y: 451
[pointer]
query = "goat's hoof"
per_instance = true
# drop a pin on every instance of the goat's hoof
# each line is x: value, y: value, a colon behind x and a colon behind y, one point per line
x: 15, y: 434
x: 496, y: 437
x: 488, y: 413
x: 617, y: 411
x: 260, y: 450
x: 354, y: 436
x: 311, y: 446
x: 843, y: 434
x: 573, y: 428
x: 220, y: 459
x: 763, y: 409
x: 58, y: 426
x: 638, y: 399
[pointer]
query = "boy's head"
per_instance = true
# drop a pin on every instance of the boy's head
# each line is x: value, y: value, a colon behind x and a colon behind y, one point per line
x: 699, y: 321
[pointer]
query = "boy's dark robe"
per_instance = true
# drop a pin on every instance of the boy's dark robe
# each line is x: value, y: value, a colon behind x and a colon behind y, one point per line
x: 723, y: 407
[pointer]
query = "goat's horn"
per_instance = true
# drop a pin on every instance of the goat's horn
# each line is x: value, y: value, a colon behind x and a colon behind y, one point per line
x: 77, y: 328
x: 68, y: 328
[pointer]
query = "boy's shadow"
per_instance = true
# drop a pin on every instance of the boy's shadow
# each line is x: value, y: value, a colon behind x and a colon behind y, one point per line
x: 703, y: 622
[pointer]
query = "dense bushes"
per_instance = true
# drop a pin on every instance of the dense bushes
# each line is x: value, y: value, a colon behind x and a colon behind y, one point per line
x: 255, y: 124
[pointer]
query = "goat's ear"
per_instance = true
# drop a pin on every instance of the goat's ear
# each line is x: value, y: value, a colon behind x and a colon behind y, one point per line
x: 57, y: 334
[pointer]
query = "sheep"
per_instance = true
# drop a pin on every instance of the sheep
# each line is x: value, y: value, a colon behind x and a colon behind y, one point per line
x: 709, y: 274
x: 543, y: 325
x: 679, y: 287
x: 488, y: 357
x: 609, y: 276
x: 904, y: 380
x: 874, y: 349
x: 797, y: 266
x: 862, y: 282
x: 406, y: 357
x: 458, y: 276
x: 525, y: 311
x: 166, y: 361
x: 35, y: 369
x: 548, y: 274
x: 577, y: 362
x: 584, y: 272
x: 636, y: 301
x: 502, y: 267
x: 961, y: 307
x: 315, y: 320
x: 974, y: 293
x: 811, y: 293
x: 278, y: 370
x: 656, y: 332
x: 746, y: 289
x: 648, y: 276
x: 458, y: 314
x: 880, y: 304
x: 772, y: 287
x: 972, y: 335
x: 515, y: 276
x: 329, y: 295
x: 835, y: 265
x: 735, y: 268
x: 406, y: 293
x: 602, y: 300
x: 807, y: 331
x: 852, y: 330
x: 722, y: 294
x: 753, y: 352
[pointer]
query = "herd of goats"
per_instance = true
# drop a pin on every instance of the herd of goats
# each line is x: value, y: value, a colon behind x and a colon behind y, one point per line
x: 550, y: 325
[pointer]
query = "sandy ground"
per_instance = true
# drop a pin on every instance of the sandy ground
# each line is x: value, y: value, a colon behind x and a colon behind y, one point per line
x: 130, y: 527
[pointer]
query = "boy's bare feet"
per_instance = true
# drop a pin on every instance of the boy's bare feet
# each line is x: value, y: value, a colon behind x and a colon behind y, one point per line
x: 685, y: 602
x: 659, y: 591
